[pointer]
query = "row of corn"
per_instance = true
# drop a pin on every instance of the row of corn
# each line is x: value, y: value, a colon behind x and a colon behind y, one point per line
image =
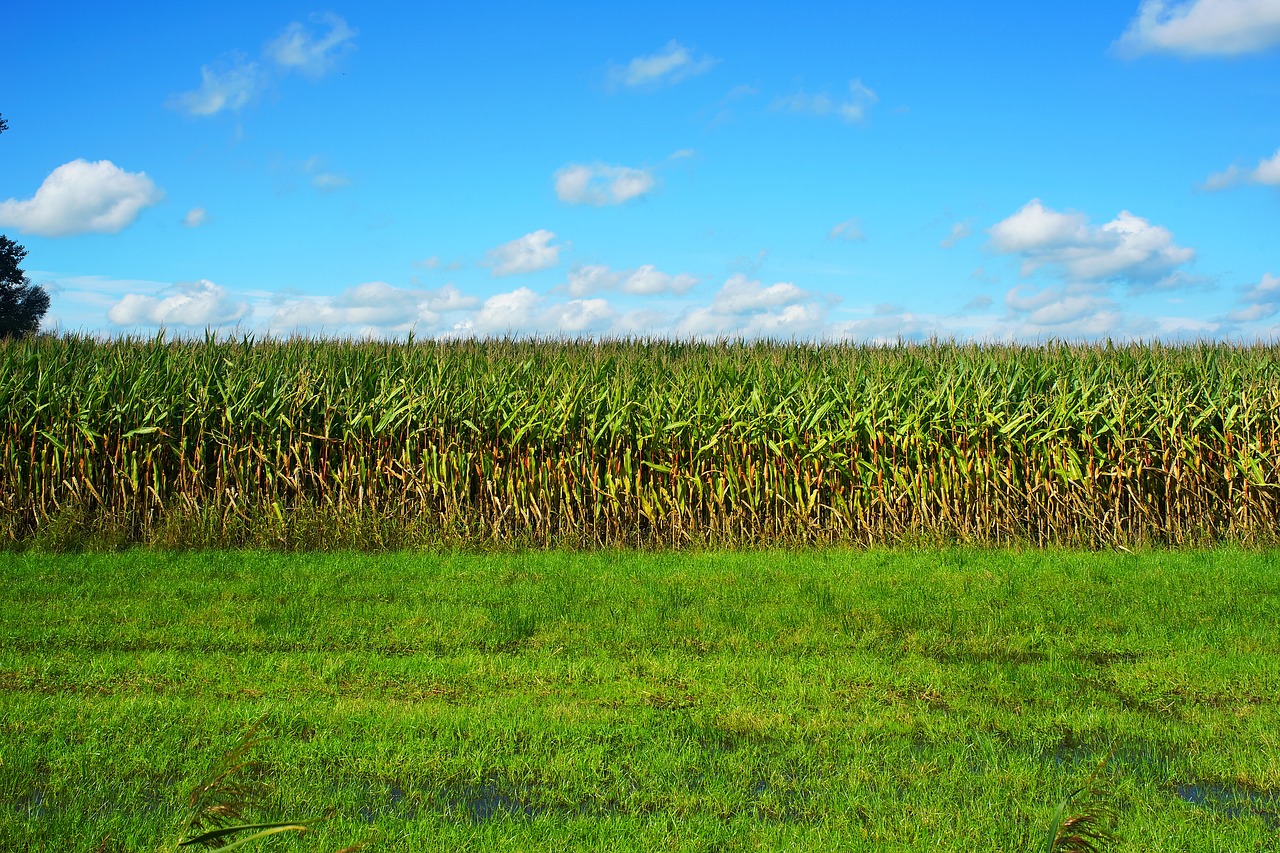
x: 642, y: 443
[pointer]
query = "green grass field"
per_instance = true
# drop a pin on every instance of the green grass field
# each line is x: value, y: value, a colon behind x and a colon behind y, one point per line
x: 774, y: 700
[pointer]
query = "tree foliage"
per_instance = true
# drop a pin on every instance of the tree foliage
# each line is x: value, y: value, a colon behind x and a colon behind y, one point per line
x: 22, y: 304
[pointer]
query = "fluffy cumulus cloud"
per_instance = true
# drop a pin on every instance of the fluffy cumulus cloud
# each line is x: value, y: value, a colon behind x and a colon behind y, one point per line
x: 311, y: 52
x: 82, y: 197
x: 1266, y: 173
x: 741, y: 295
x: 372, y: 307
x: 1055, y: 306
x: 673, y: 63
x: 580, y: 317
x: 233, y: 82
x: 511, y: 312
x: 195, y: 217
x: 646, y: 280
x: 524, y: 312
x: 747, y: 308
x: 600, y: 184
x: 650, y: 281
x: 592, y: 278
x: 887, y: 324
x: 1128, y: 248
x: 1203, y: 27
x: 852, y: 107
x: 189, y: 303
x: 530, y: 253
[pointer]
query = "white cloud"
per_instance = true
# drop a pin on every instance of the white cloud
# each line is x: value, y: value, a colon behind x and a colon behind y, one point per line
x: 233, y: 82
x: 959, y: 231
x: 529, y: 253
x: 850, y: 231
x: 1229, y: 177
x: 323, y: 179
x: 1267, y: 173
x: 523, y: 311
x: 1262, y: 300
x: 373, y: 306
x: 740, y: 295
x: 579, y: 316
x: 187, y: 303
x: 646, y: 280
x: 649, y: 281
x: 790, y: 321
x: 749, y: 265
x: 592, y: 278
x: 640, y: 322
x: 724, y: 109
x: 1036, y: 227
x: 742, y: 308
x: 327, y: 182
x: 435, y: 263
x: 852, y: 108
x: 1253, y: 313
x: 1127, y: 248
x: 230, y: 88
x: 673, y: 63
x: 600, y: 184
x: 82, y: 197
x: 886, y: 327
x: 1073, y: 312
x: 1055, y: 306
x: 508, y: 312
x: 299, y: 48
x: 195, y: 217
x: 1203, y: 27
x: 449, y: 298
x: 746, y: 308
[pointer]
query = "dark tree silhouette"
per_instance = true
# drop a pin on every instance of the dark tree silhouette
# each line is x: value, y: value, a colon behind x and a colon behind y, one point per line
x: 22, y: 304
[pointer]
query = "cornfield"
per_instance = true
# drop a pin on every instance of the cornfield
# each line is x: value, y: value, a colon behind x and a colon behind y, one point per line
x: 319, y: 443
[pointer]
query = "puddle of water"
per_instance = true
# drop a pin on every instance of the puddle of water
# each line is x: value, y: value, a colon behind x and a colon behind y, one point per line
x: 371, y: 811
x: 31, y: 806
x: 1233, y: 801
x: 490, y: 802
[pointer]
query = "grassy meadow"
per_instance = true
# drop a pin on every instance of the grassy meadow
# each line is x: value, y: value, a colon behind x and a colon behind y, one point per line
x: 832, y: 699
x: 640, y: 595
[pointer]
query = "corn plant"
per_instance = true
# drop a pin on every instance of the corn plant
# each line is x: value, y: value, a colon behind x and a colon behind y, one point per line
x: 305, y: 443
x: 1091, y: 830
x: 218, y: 805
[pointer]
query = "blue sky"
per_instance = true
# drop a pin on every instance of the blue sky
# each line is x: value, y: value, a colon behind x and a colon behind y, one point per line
x: 828, y: 171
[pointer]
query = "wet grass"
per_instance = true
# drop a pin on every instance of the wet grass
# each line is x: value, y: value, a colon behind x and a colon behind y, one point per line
x: 832, y: 700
